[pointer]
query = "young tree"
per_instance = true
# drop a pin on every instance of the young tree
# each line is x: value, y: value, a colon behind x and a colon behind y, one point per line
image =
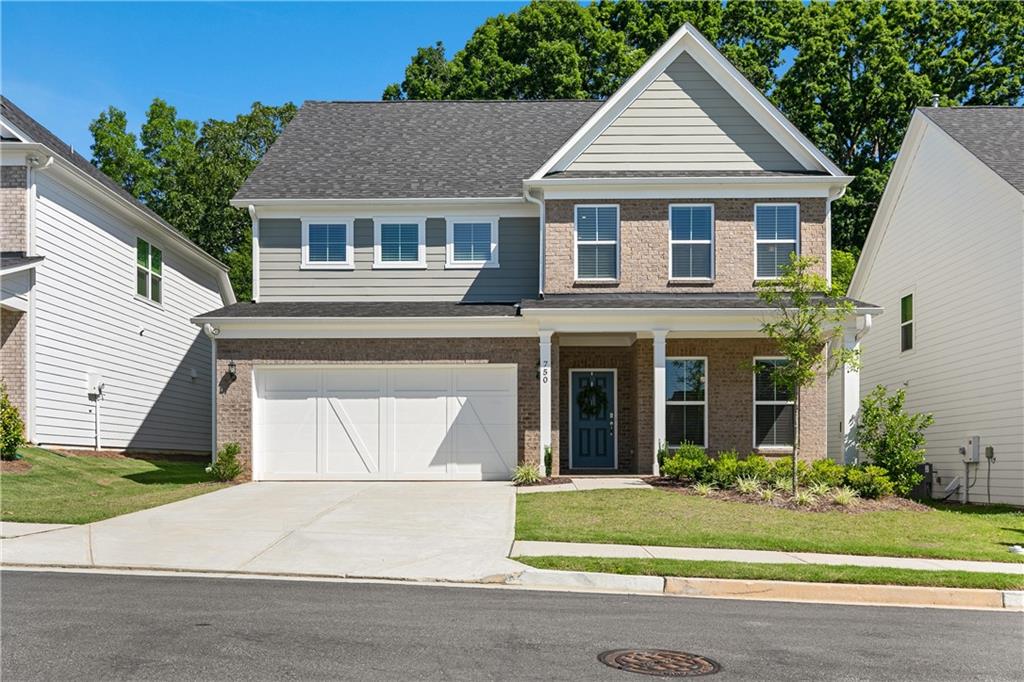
x: 808, y: 318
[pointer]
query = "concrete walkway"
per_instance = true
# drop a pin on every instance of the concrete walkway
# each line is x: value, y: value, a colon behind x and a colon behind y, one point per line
x: 412, y: 531
x: 523, y: 548
x: 591, y: 483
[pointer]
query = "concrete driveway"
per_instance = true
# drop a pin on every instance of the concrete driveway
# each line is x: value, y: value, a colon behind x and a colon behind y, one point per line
x: 417, y: 531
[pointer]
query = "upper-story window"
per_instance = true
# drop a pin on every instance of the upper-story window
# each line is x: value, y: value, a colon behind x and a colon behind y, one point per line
x: 399, y: 243
x: 327, y: 243
x: 472, y: 243
x: 149, y: 271
x: 777, y: 234
x: 691, y: 237
x: 907, y: 323
x: 597, y: 242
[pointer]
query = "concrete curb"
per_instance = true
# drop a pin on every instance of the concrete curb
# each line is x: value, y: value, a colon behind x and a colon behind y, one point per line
x: 774, y: 590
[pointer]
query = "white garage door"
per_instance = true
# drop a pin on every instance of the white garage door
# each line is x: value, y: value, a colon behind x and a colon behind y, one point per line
x: 412, y: 423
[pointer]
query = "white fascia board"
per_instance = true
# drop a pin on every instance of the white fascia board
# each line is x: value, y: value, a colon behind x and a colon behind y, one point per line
x: 368, y: 328
x: 919, y: 124
x: 690, y: 188
x: 15, y: 130
x: 67, y: 171
x: 4, y: 272
x: 688, y: 39
x: 515, y: 207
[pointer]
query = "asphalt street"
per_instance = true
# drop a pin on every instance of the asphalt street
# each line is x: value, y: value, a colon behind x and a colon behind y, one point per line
x: 63, y: 626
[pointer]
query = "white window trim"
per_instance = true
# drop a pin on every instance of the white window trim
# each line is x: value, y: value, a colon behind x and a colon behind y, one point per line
x: 795, y: 242
x: 575, y: 245
x: 450, y: 262
x: 348, y: 222
x: 149, y: 273
x: 756, y: 402
x: 704, y: 359
x: 913, y: 321
x: 421, y: 256
x: 710, y: 242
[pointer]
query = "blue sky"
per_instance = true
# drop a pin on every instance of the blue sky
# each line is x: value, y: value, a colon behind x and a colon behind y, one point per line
x: 63, y: 63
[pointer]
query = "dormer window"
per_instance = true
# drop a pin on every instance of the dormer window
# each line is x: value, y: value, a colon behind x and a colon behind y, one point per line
x: 327, y: 243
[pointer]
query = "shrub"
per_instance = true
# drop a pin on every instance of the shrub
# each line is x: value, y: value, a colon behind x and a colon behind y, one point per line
x: 870, y: 482
x: 826, y: 472
x: 781, y: 484
x: 525, y: 474
x: 547, y: 461
x: 820, y: 489
x: 747, y: 485
x: 227, y: 466
x: 804, y: 498
x: 703, y: 489
x: 688, y: 463
x: 12, y: 429
x: 844, y: 496
x: 892, y: 439
x: 724, y: 469
x: 768, y: 494
x: 755, y: 466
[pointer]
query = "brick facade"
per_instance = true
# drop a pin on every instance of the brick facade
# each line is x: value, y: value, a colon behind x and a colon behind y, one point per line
x: 13, y: 208
x: 644, y: 245
x: 13, y: 357
x: 234, y: 399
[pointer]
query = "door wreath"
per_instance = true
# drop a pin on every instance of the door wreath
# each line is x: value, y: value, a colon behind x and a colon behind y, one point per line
x: 592, y: 400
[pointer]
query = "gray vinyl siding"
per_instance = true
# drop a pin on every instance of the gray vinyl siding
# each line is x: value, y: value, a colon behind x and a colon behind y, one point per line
x: 685, y: 120
x: 283, y: 279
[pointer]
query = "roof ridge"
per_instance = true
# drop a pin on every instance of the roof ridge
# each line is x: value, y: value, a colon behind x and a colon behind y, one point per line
x: 449, y: 101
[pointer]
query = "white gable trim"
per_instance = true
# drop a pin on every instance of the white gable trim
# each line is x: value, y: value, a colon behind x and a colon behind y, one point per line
x: 688, y: 39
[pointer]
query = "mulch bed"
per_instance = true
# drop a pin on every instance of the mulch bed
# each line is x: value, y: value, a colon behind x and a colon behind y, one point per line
x: 783, y: 501
x: 550, y: 480
x: 16, y: 466
x: 129, y: 454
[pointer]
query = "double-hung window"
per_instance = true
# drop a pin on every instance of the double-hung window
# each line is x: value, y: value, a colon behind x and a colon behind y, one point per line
x: 327, y: 243
x: 149, y: 271
x: 907, y: 323
x: 472, y: 243
x: 777, y: 235
x: 686, y: 398
x: 597, y: 242
x: 691, y: 241
x: 399, y: 243
x: 774, y: 411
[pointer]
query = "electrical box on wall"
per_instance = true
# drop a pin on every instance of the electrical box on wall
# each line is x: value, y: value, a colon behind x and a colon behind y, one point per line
x: 94, y: 385
x: 972, y: 450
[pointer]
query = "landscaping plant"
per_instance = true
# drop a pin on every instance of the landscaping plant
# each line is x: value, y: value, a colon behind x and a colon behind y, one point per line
x: 724, y: 470
x: 703, y: 489
x: 827, y: 473
x: 12, y: 429
x: 226, y: 467
x: 870, y: 482
x: 820, y: 489
x: 807, y: 320
x: 844, y: 496
x: 688, y: 463
x: 804, y: 498
x: 747, y: 485
x: 891, y: 438
x: 768, y: 494
x: 756, y: 467
x: 547, y: 461
x: 525, y: 474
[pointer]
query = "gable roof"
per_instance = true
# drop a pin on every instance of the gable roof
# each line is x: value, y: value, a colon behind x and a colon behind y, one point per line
x: 413, y: 149
x: 37, y: 133
x: 993, y: 134
x: 689, y: 40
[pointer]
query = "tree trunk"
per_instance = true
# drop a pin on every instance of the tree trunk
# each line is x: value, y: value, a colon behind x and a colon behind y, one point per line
x: 796, y: 438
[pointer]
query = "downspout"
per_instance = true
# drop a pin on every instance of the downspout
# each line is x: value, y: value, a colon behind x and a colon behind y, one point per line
x: 255, y: 254
x: 212, y: 333
x: 864, y: 329
x: 543, y: 221
x: 832, y: 196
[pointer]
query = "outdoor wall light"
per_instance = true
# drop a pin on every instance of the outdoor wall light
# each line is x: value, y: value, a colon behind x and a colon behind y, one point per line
x: 232, y: 369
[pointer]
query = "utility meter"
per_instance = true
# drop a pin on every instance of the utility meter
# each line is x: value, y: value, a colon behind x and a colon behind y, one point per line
x: 971, y: 452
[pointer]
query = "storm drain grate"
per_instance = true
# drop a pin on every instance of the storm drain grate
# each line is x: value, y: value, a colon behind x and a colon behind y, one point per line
x: 659, y: 662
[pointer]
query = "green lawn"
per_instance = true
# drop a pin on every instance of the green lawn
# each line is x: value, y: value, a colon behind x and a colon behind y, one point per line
x: 661, y: 517
x: 813, y: 573
x: 63, y: 489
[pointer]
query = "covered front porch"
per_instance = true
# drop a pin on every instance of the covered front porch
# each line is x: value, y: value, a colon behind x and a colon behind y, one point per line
x: 619, y: 383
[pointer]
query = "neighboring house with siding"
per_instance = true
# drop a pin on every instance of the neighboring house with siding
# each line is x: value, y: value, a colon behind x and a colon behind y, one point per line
x: 945, y: 255
x: 98, y: 292
x: 444, y: 290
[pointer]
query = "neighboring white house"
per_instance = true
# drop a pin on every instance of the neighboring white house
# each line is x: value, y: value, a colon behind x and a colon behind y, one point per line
x: 945, y: 258
x: 97, y: 347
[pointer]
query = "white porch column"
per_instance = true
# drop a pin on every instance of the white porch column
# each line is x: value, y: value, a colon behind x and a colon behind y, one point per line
x: 851, y: 399
x: 659, y: 393
x: 545, y: 396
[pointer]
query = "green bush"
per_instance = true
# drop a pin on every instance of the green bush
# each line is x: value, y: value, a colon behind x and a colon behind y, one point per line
x: 12, y: 429
x: 688, y: 463
x: 724, y: 470
x: 547, y: 461
x: 892, y: 439
x: 870, y: 482
x: 525, y: 474
x: 827, y: 473
x: 756, y: 467
x: 227, y: 466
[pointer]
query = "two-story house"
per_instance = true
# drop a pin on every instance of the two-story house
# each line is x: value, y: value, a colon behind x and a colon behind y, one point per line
x: 97, y: 348
x: 446, y: 289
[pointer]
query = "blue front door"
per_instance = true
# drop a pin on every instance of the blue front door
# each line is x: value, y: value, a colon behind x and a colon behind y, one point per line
x: 593, y: 420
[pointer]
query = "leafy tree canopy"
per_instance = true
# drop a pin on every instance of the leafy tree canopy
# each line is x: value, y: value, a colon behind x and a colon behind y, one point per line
x: 186, y: 172
x: 848, y: 74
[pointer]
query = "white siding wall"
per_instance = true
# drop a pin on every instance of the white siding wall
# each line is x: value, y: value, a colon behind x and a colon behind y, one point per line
x: 956, y: 241
x: 685, y: 120
x: 87, y: 319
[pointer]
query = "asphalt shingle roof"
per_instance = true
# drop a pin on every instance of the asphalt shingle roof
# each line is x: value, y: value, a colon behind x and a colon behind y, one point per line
x: 414, y: 149
x: 993, y: 134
